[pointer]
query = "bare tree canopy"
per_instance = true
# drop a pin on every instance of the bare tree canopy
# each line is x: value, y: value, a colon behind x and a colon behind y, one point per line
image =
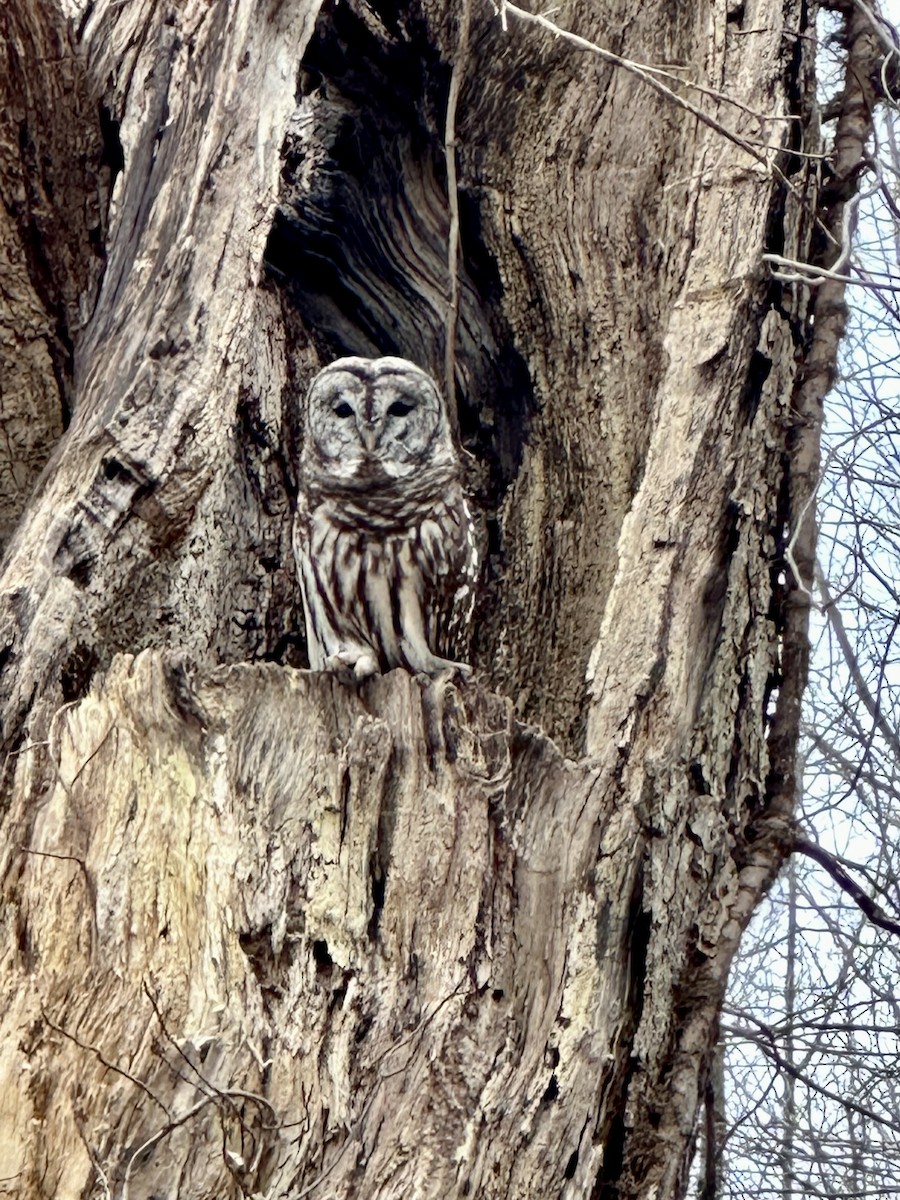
x: 811, y: 1036
x: 268, y: 935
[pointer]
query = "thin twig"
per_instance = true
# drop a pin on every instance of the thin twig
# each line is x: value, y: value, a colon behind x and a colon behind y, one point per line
x: 456, y: 78
x: 669, y: 71
x: 870, y: 703
x: 871, y: 908
x: 798, y: 529
x: 882, y: 29
x: 766, y: 1042
x: 791, y: 270
x: 226, y: 1094
x: 649, y: 75
x: 175, y: 1123
x: 105, y: 1062
x: 357, y: 1124
x: 652, y: 76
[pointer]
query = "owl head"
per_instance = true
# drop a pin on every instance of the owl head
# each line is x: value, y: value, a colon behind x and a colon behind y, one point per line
x: 375, y: 419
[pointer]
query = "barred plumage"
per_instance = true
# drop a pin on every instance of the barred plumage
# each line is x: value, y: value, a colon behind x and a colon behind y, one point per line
x: 383, y: 538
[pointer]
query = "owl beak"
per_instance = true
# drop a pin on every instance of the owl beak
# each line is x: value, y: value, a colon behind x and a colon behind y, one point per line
x: 369, y: 436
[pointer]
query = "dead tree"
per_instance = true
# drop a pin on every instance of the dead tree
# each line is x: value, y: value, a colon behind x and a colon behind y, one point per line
x: 267, y: 935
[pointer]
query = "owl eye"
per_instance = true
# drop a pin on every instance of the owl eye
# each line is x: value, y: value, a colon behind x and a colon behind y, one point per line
x: 343, y: 409
x: 400, y: 408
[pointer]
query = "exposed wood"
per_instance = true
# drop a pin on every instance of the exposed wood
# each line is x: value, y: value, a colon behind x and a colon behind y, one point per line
x: 393, y: 938
x: 379, y: 912
x: 184, y: 386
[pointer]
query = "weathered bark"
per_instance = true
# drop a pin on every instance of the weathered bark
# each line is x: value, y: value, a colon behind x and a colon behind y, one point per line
x: 360, y: 908
x: 177, y: 467
x: 54, y: 185
x: 284, y: 937
x: 293, y: 939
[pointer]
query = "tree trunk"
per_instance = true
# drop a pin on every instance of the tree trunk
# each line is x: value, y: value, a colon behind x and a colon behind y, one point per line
x: 267, y: 935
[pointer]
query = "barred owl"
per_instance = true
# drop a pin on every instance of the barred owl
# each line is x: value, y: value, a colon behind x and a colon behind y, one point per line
x: 383, y: 537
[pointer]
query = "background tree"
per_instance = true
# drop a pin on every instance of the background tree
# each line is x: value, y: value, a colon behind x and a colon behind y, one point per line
x: 266, y: 935
x: 812, y: 1027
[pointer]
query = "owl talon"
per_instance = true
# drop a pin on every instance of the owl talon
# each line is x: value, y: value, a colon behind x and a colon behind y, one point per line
x: 352, y: 666
x: 445, y: 676
x: 365, y: 667
x: 443, y: 669
x: 420, y: 660
x: 453, y: 669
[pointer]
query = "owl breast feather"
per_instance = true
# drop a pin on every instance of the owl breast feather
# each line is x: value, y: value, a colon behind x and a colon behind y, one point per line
x: 391, y: 572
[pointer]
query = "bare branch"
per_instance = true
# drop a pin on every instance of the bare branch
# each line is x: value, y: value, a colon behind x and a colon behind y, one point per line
x: 110, y: 1066
x: 863, y: 901
x: 456, y: 78
x: 766, y: 1041
x: 833, y: 613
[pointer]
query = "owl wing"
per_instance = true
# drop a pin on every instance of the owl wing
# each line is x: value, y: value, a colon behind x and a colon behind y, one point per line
x: 447, y: 557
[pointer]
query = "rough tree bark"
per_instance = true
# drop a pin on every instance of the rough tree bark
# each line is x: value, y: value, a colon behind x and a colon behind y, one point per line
x: 265, y: 935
